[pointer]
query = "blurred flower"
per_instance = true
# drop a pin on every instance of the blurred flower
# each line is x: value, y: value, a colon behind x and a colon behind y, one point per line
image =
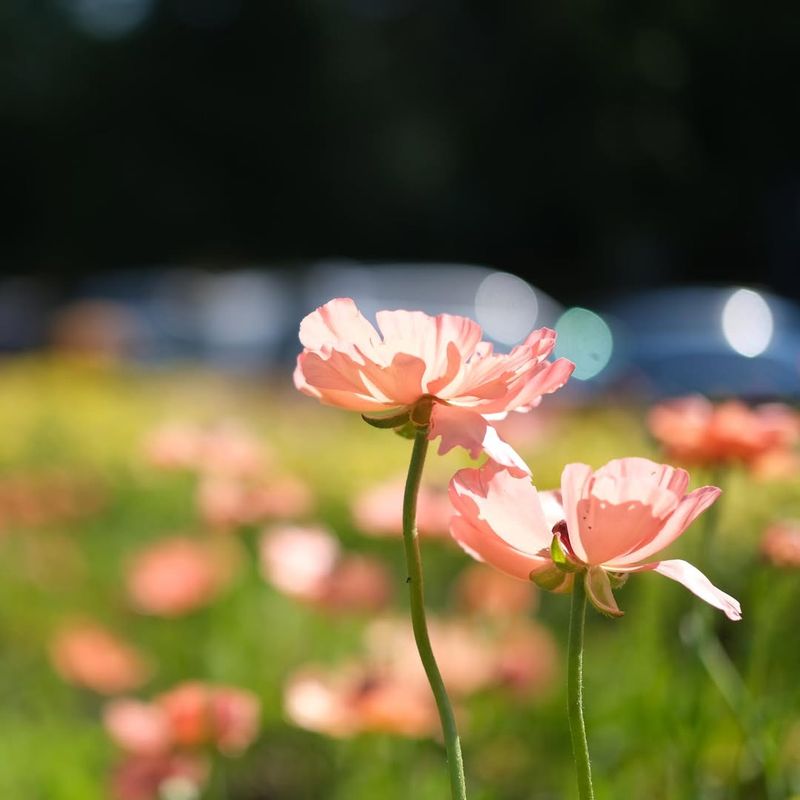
x: 379, y: 510
x: 138, y: 728
x: 465, y: 660
x: 357, y: 699
x: 177, y: 575
x: 526, y: 658
x: 87, y: 654
x: 480, y: 590
x: 226, y: 502
x: 306, y: 563
x: 160, y: 777
x: 695, y: 430
x: 422, y: 360
x: 223, y: 449
x: 200, y: 713
x: 615, y: 517
x: 37, y: 499
x: 777, y: 464
x: 781, y: 544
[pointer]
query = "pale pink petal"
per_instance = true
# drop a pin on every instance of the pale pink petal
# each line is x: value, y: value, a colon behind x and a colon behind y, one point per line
x: 459, y: 427
x: 493, y: 499
x: 548, y: 379
x: 689, y: 508
x: 574, y: 487
x: 697, y: 583
x: 552, y: 507
x: 338, y: 324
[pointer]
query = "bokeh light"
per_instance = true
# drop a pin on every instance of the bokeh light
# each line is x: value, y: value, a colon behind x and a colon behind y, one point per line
x: 506, y: 307
x: 109, y: 19
x: 585, y: 338
x: 747, y: 323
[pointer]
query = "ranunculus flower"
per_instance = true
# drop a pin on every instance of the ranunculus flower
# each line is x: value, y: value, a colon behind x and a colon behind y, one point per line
x: 225, y: 502
x: 437, y: 367
x: 177, y: 575
x: 695, y: 430
x: 138, y: 728
x: 154, y: 777
x: 613, y: 520
x: 87, y: 654
x: 781, y: 544
x: 306, y: 563
x: 345, y: 701
x: 483, y: 591
x: 200, y: 713
x: 378, y: 511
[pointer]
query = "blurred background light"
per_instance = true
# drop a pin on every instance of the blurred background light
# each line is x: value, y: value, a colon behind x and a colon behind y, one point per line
x: 109, y: 19
x: 747, y: 323
x: 585, y: 338
x: 506, y: 307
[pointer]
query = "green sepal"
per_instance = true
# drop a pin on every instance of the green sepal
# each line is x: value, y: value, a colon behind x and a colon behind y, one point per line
x: 598, y: 590
x: 560, y: 558
x: 395, y: 421
x: 407, y: 431
x: 551, y: 579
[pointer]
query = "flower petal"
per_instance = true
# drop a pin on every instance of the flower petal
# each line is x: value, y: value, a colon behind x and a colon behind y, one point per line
x: 694, y: 580
x: 468, y: 429
x: 499, y: 503
x: 689, y: 508
x: 574, y: 487
x: 338, y: 325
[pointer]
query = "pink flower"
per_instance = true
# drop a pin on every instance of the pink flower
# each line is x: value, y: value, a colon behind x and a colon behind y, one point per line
x: 200, y: 714
x: 435, y: 368
x: 177, y: 575
x: 695, y: 430
x: 307, y: 563
x: 226, y: 502
x: 87, y: 654
x: 613, y: 519
x: 781, y: 544
x: 155, y: 777
x: 378, y: 511
x: 345, y: 701
x: 480, y: 590
x: 138, y: 728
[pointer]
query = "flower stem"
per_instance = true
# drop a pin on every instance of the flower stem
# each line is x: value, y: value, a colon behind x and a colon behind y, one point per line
x: 577, y: 728
x: 455, y: 761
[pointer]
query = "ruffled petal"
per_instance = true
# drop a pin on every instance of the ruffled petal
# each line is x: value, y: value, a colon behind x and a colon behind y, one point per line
x: 338, y: 325
x: 460, y: 427
x: 495, y: 500
x: 694, y: 580
x: 574, y: 487
x: 687, y: 511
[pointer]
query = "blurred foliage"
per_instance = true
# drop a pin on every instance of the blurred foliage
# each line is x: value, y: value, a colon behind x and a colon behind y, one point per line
x: 658, y: 726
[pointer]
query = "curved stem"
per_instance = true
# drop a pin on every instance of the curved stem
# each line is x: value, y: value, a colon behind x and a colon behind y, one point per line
x: 577, y: 728
x: 455, y: 762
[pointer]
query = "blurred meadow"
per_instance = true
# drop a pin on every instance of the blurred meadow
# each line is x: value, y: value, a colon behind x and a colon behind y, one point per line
x: 100, y: 461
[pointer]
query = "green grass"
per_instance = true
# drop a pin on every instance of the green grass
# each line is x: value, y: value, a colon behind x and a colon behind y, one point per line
x: 658, y: 727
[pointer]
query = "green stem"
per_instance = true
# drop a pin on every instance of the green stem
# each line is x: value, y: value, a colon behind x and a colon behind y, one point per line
x: 455, y: 761
x: 577, y: 727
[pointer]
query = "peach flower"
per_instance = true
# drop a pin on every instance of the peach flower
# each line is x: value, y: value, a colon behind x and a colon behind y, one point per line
x: 199, y: 714
x: 177, y: 575
x: 87, y: 654
x: 343, y: 702
x: 613, y: 519
x: 781, y: 544
x: 695, y: 430
x: 378, y: 511
x: 156, y: 777
x: 526, y: 658
x: 306, y: 563
x: 484, y: 591
x: 223, y: 449
x: 435, y: 371
x: 226, y: 502
x: 138, y: 728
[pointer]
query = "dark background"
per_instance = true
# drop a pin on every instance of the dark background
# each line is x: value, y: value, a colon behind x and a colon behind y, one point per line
x: 585, y: 145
